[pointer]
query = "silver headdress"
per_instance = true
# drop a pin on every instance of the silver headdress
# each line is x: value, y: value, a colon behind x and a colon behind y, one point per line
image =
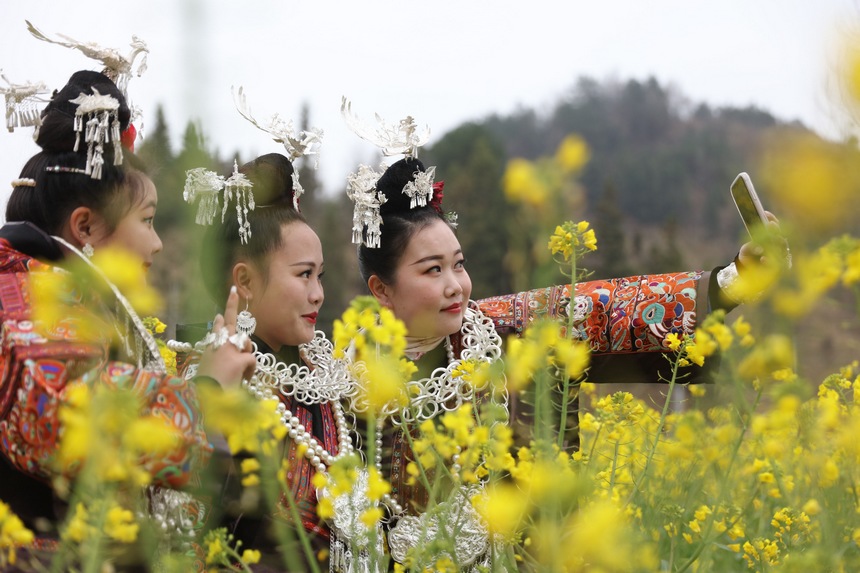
x: 207, y: 187
x: 404, y: 138
x: 242, y: 187
x: 23, y: 103
x: 117, y: 67
x: 366, y: 221
x: 97, y: 117
x: 297, y: 145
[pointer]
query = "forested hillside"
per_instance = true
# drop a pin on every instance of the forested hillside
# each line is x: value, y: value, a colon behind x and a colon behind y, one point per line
x: 655, y: 188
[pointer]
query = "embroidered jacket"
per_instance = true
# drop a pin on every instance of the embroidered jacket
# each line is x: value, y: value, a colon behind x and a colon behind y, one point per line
x: 38, y: 361
x: 625, y: 320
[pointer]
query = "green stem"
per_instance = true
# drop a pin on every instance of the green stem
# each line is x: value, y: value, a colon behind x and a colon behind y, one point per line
x: 298, y: 529
x: 724, y: 485
x: 422, y: 474
x: 566, y: 384
x: 371, y: 456
x: 653, y: 449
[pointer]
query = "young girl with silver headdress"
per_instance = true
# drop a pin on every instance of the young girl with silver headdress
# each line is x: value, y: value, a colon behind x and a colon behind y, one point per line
x: 412, y: 262
x: 74, y: 199
x: 275, y: 261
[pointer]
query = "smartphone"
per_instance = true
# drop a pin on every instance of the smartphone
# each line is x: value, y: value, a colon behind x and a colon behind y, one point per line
x: 748, y: 204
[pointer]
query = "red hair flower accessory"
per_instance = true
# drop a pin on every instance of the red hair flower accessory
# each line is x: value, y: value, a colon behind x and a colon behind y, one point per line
x: 438, y: 195
x: 128, y: 137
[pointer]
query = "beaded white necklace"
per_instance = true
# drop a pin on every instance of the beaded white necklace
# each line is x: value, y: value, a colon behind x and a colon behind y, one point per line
x: 326, y: 381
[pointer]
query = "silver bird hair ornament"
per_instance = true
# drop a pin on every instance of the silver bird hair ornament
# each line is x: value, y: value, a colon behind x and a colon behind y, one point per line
x: 297, y: 144
x: 404, y: 137
x: 97, y: 118
x: 117, y: 67
x: 210, y: 189
x: 23, y: 103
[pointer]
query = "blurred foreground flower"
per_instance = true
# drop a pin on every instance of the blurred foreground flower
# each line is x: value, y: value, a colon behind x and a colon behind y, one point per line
x: 249, y: 425
x: 13, y: 535
x: 105, y: 432
x: 378, y: 340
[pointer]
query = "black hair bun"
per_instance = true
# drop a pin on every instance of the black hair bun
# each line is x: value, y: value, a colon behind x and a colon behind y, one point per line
x: 394, y: 180
x: 57, y: 133
x: 272, y: 176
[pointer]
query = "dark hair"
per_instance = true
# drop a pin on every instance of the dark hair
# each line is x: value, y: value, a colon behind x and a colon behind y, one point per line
x: 57, y: 193
x: 272, y: 177
x: 399, y: 222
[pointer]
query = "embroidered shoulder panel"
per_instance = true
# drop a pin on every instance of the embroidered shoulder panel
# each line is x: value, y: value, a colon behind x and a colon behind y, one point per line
x: 631, y: 314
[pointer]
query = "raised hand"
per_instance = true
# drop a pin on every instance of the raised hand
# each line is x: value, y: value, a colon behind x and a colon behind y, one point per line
x: 228, y: 357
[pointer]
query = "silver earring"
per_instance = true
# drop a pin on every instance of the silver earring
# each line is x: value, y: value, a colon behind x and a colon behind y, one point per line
x: 246, y: 322
x: 88, y: 250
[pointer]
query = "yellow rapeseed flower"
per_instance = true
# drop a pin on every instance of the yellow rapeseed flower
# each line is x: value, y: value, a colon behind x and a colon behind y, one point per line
x: 120, y: 525
x: 503, y: 507
x: 572, y: 154
x: 523, y: 183
x: 251, y: 556
x: 13, y: 534
x: 371, y: 516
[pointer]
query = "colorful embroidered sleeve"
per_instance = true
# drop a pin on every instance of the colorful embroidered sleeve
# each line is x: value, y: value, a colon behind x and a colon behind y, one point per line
x: 36, y: 367
x: 625, y: 316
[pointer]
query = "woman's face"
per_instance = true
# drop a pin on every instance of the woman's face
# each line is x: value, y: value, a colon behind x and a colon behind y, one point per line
x: 135, y: 232
x: 286, y: 297
x: 431, y: 287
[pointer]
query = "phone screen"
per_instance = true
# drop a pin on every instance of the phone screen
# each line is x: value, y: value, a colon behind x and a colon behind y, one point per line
x: 747, y: 202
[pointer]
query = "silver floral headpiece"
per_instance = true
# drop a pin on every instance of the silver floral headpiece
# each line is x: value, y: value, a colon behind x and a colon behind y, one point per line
x: 404, y: 138
x: 117, y: 67
x: 297, y: 145
x: 366, y: 220
x: 210, y: 189
x: 23, y: 103
x: 98, y: 118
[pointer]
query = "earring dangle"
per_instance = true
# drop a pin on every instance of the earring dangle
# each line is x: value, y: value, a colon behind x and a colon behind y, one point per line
x: 245, y: 321
x: 88, y: 250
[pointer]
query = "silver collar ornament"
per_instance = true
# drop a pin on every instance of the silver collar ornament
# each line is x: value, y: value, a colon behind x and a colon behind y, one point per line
x: 444, y: 390
x: 328, y: 380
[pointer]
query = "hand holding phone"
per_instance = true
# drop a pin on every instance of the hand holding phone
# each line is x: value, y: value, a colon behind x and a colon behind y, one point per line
x: 748, y: 204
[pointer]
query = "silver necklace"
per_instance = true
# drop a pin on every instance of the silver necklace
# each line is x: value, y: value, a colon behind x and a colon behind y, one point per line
x: 443, y: 390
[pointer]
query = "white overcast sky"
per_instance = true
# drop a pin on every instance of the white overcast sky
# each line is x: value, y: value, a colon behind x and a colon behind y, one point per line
x: 442, y: 61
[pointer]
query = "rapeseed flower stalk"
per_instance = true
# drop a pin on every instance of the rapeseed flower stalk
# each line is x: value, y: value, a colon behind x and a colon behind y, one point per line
x: 571, y: 240
x: 156, y: 328
x: 222, y: 552
x: 378, y: 341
